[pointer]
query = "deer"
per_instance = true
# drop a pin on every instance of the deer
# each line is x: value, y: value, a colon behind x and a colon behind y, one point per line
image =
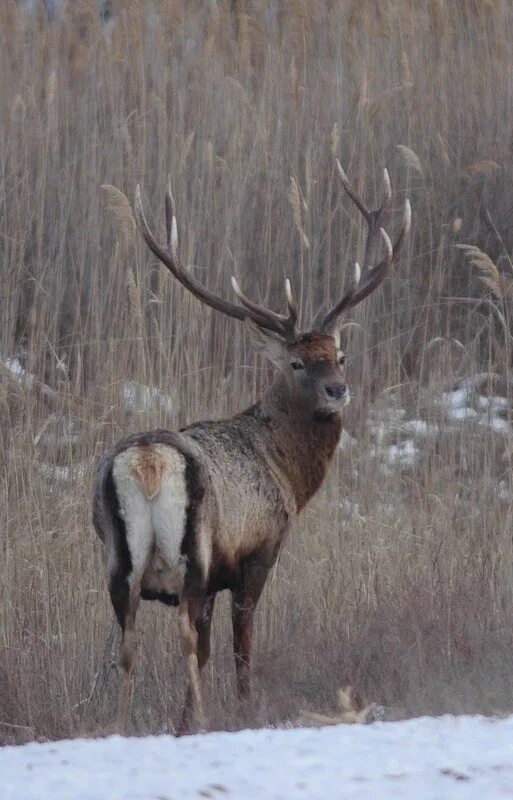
x: 186, y: 514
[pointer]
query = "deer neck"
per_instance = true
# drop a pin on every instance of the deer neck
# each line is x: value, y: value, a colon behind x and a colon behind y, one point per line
x: 300, y: 442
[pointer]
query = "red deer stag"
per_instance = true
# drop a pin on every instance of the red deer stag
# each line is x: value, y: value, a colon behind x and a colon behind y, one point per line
x: 184, y: 515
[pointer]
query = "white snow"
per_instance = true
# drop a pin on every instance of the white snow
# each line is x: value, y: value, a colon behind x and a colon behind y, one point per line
x: 459, y: 406
x: 419, y: 428
x: 18, y: 371
x: 378, y: 432
x: 138, y: 397
x: 492, y: 403
x: 458, y: 398
x: 59, y: 474
x: 463, y: 413
x: 470, y: 382
x: 496, y: 423
x: 454, y: 758
x: 404, y: 454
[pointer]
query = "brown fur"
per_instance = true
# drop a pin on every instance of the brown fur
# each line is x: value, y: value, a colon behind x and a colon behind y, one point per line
x: 315, y: 346
x: 148, y: 470
x: 304, y: 455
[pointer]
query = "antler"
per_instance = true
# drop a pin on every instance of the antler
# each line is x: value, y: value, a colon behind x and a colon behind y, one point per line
x: 368, y: 278
x: 284, y: 325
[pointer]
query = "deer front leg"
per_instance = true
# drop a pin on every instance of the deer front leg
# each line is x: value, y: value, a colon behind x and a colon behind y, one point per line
x: 188, y: 613
x: 244, y: 602
x: 203, y: 627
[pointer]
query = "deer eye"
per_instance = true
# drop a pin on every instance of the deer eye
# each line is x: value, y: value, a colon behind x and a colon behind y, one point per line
x: 342, y: 361
x: 297, y: 364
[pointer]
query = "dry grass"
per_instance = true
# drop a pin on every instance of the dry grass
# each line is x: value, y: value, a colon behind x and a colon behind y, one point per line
x: 410, y: 601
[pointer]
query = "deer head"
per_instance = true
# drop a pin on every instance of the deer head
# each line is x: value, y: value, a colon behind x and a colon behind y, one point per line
x: 312, y: 364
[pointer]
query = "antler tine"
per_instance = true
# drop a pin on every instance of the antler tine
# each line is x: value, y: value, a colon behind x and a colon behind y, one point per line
x: 357, y: 273
x: 287, y: 323
x: 291, y: 303
x: 373, y: 217
x: 357, y: 200
x: 405, y: 230
x: 171, y: 226
x: 359, y: 291
x: 263, y: 317
x: 368, y: 279
x: 387, y: 190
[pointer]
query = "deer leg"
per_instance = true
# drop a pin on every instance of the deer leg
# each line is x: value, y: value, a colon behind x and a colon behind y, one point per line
x: 203, y: 627
x: 126, y: 602
x: 244, y: 602
x: 189, y: 611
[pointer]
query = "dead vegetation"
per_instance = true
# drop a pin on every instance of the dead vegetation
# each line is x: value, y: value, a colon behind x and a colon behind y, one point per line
x: 408, y: 597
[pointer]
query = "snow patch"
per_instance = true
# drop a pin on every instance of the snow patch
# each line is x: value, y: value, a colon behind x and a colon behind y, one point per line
x: 495, y: 423
x: 419, y: 428
x: 403, y: 454
x: 492, y: 403
x: 426, y: 758
x: 19, y: 372
x: 462, y: 413
x: 458, y: 398
x: 140, y: 398
x: 59, y: 474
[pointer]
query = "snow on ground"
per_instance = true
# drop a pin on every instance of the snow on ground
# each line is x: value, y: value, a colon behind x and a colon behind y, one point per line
x: 18, y: 372
x: 448, y: 758
x: 138, y: 397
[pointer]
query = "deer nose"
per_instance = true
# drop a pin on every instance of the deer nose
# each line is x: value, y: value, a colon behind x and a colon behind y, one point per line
x: 336, y: 392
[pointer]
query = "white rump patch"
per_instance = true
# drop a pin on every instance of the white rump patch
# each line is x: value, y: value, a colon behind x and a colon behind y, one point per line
x: 155, y: 524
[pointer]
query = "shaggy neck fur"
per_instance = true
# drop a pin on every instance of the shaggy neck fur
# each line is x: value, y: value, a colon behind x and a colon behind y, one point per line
x: 300, y: 441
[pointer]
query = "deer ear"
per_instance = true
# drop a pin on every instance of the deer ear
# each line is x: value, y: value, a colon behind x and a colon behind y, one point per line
x: 266, y: 343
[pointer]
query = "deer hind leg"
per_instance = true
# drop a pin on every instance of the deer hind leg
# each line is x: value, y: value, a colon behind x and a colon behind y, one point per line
x: 188, y: 614
x: 127, y: 658
x: 203, y: 628
x: 125, y: 592
x: 244, y: 602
